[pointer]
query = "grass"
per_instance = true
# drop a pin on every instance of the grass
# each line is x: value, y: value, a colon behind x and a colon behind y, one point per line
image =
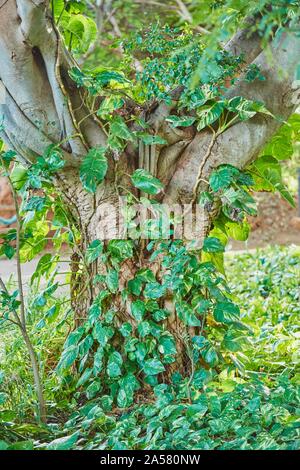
x: 253, y: 404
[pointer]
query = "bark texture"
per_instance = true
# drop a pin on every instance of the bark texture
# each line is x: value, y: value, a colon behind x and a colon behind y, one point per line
x: 43, y: 106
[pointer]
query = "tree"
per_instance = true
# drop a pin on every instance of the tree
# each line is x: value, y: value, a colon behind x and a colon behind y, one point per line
x: 46, y: 111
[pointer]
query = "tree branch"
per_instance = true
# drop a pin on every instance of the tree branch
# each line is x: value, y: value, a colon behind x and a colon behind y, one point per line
x: 241, y: 143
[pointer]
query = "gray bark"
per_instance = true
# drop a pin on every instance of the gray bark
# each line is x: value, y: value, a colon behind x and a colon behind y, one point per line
x: 43, y: 106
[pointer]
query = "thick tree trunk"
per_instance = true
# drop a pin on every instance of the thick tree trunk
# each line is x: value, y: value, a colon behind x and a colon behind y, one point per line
x: 42, y: 106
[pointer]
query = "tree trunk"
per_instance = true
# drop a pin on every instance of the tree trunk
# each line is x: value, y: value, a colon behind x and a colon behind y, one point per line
x: 44, y: 107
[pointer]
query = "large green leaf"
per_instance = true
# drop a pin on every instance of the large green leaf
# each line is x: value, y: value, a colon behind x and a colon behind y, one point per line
x: 93, y: 169
x: 212, y: 245
x: 138, y: 309
x: 187, y: 314
x: 115, y: 362
x: 119, y: 129
x: 181, y: 121
x: 222, y: 177
x: 269, y: 171
x: 93, y: 251
x: 147, y: 183
x: 64, y: 443
x: 83, y: 30
x: 208, y: 114
x: 153, y: 367
x: 226, y: 312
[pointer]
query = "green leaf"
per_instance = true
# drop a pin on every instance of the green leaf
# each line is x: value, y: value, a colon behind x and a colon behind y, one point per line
x: 83, y: 30
x: 187, y: 314
x: 150, y: 139
x: 147, y: 183
x: 138, y: 309
x: 109, y: 105
x: 181, y: 121
x: 246, y: 109
x: 93, y: 389
x: 167, y: 345
x: 121, y: 249
x: 126, y: 329
x: 3, y: 445
x: 154, y: 290
x: 269, y: 171
x: 93, y: 169
x: 64, y: 443
x: 238, y: 231
x: 112, y: 280
x: 222, y: 177
x: 93, y: 251
x: 84, y: 377
x: 114, y: 364
x: 68, y: 358
x: 144, y: 329
x: 226, y: 312
x: 128, y: 385
x: 21, y: 445
x: 153, y: 367
x: 8, y: 250
x: 212, y: 245
x: 210, y: 355
x: 105, y: 77
x: 208, y: 114
x: 118, y: 128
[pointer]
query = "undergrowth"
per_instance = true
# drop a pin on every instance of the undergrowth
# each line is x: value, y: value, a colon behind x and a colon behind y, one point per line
x: 252, y: 404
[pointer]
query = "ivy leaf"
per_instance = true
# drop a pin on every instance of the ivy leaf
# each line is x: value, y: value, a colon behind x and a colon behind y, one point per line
x: 212, y: 245
x: 118, y: 128
x: 154, y: 290
x: 181, y: 121
x: 126, y: 329
x: 128, y: 385
x: 104, y: 77
x: 138, y: 309
x: 208, y: 114
x: 121, y: 249
x: 112, y: 280
x: 68, y: 357
x: 167, y: 345
x: 153, y: 367
x: 114, y: 364
x: 222, y: 177
x: 210, y: 355
x: 147, y: 183
x: 109, y: 105
x: 93, y: 251
x: 64, y: 443
x: 187, y: 314
x: 84, y: 377
x: 144, y: 328
x: 269, y: 171
x: 226, y: 312
x: 93, y: 169
x: 246, y: 109
x: 93, y: 389
x: 150, y: 139
x: 238, y: 231
x: 83, y: 30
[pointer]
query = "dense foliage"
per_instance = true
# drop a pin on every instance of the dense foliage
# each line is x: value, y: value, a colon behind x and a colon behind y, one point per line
x: 252, y: 408
x: 236, y: 388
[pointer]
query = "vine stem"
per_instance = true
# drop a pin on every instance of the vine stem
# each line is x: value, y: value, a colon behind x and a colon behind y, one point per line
x: 215, y: 135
